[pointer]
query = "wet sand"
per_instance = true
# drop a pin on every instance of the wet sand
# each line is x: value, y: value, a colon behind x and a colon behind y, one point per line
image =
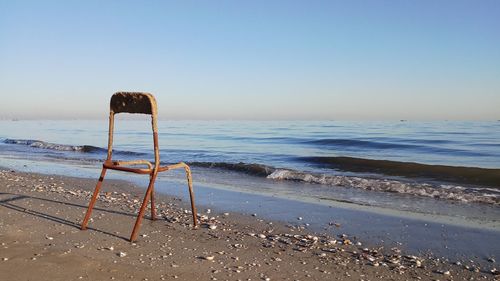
x: 40, y: 239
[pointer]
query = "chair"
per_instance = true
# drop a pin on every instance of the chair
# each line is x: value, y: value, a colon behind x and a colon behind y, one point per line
x: 140, y: 103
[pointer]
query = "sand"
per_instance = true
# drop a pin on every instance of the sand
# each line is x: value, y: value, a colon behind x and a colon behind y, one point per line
x: 40, y: 239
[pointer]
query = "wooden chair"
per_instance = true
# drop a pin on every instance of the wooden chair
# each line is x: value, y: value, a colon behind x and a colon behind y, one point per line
x: 141, y: 103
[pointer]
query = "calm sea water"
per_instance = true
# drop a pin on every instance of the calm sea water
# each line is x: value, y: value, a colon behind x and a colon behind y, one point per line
x: 474, y: 144
x: 327, y: 160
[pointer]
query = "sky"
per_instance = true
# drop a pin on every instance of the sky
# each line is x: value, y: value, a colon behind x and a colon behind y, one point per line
x: 253, y: 60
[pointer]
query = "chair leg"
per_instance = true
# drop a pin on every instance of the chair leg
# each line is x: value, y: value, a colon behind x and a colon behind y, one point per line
x: 153, y: 208
x: 138, y: 221
x: 93, y: 199
x: 191, y: 194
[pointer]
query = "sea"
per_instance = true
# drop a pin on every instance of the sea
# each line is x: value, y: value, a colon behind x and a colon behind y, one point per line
x: 446, y: 169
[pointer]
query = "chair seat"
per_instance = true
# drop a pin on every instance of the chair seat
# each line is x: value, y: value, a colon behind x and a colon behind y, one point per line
x: 119, y: 165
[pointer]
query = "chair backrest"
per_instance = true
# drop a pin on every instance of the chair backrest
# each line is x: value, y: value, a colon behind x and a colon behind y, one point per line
x: 133, y: 102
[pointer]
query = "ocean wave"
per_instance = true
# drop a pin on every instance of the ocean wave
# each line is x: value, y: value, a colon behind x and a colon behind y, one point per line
x: 408, y: 145
x: 65, y: 147
x: 449, y: 192
x: 455, y: 174
x: 251, y: 169
x: 55, y: 146
x: 358, y: 143
x: 422, y: 189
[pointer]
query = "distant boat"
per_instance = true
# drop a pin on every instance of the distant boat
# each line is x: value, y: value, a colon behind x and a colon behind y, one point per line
x: 15, y: 119
x: 403, y: 120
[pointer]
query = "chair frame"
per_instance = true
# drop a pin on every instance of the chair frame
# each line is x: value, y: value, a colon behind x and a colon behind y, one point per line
x: 140, y: 103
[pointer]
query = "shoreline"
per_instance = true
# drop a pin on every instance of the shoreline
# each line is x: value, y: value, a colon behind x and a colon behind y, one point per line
x: 456, y: 237
x: 448, y: 181
x: 373, y: 209
x: 37, y: 207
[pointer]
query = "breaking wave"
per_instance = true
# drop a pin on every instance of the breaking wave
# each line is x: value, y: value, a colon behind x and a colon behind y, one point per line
x: 455, y: 174
x: 440, y: 191
x: 251, y: 169
x: 423, y: 189
x: 55, y: 146
x: 65, y: 147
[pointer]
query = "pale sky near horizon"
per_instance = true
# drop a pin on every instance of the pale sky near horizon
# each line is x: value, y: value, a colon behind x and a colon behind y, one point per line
x: 354, y: 60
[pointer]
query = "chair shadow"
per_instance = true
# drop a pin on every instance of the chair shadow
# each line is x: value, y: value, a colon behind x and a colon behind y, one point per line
x: 7, y: 203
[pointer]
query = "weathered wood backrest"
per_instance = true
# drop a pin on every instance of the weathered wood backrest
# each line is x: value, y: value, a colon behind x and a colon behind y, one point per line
x: 134, y: 102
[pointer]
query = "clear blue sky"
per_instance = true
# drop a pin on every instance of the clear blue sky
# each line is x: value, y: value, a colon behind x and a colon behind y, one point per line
x: 368, y: 60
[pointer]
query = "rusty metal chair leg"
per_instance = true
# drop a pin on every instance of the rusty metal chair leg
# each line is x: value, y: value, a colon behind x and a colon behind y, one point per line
x: 138, y: 221
x: 153, y: 208
x: 191, y: 195
x: 93, y: 199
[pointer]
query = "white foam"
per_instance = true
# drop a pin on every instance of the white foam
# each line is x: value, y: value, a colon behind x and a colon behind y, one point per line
x: 450, y: 192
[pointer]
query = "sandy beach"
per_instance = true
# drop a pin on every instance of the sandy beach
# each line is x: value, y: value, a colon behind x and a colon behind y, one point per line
x: 41, y: 240
x: 324, y: 140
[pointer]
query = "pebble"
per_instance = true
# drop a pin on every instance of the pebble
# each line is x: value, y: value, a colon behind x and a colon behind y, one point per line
x: 122, y: 254
x: 370, y: 258
x: 212, y: 226
x: 209, y: 258
x: 5, y: 259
